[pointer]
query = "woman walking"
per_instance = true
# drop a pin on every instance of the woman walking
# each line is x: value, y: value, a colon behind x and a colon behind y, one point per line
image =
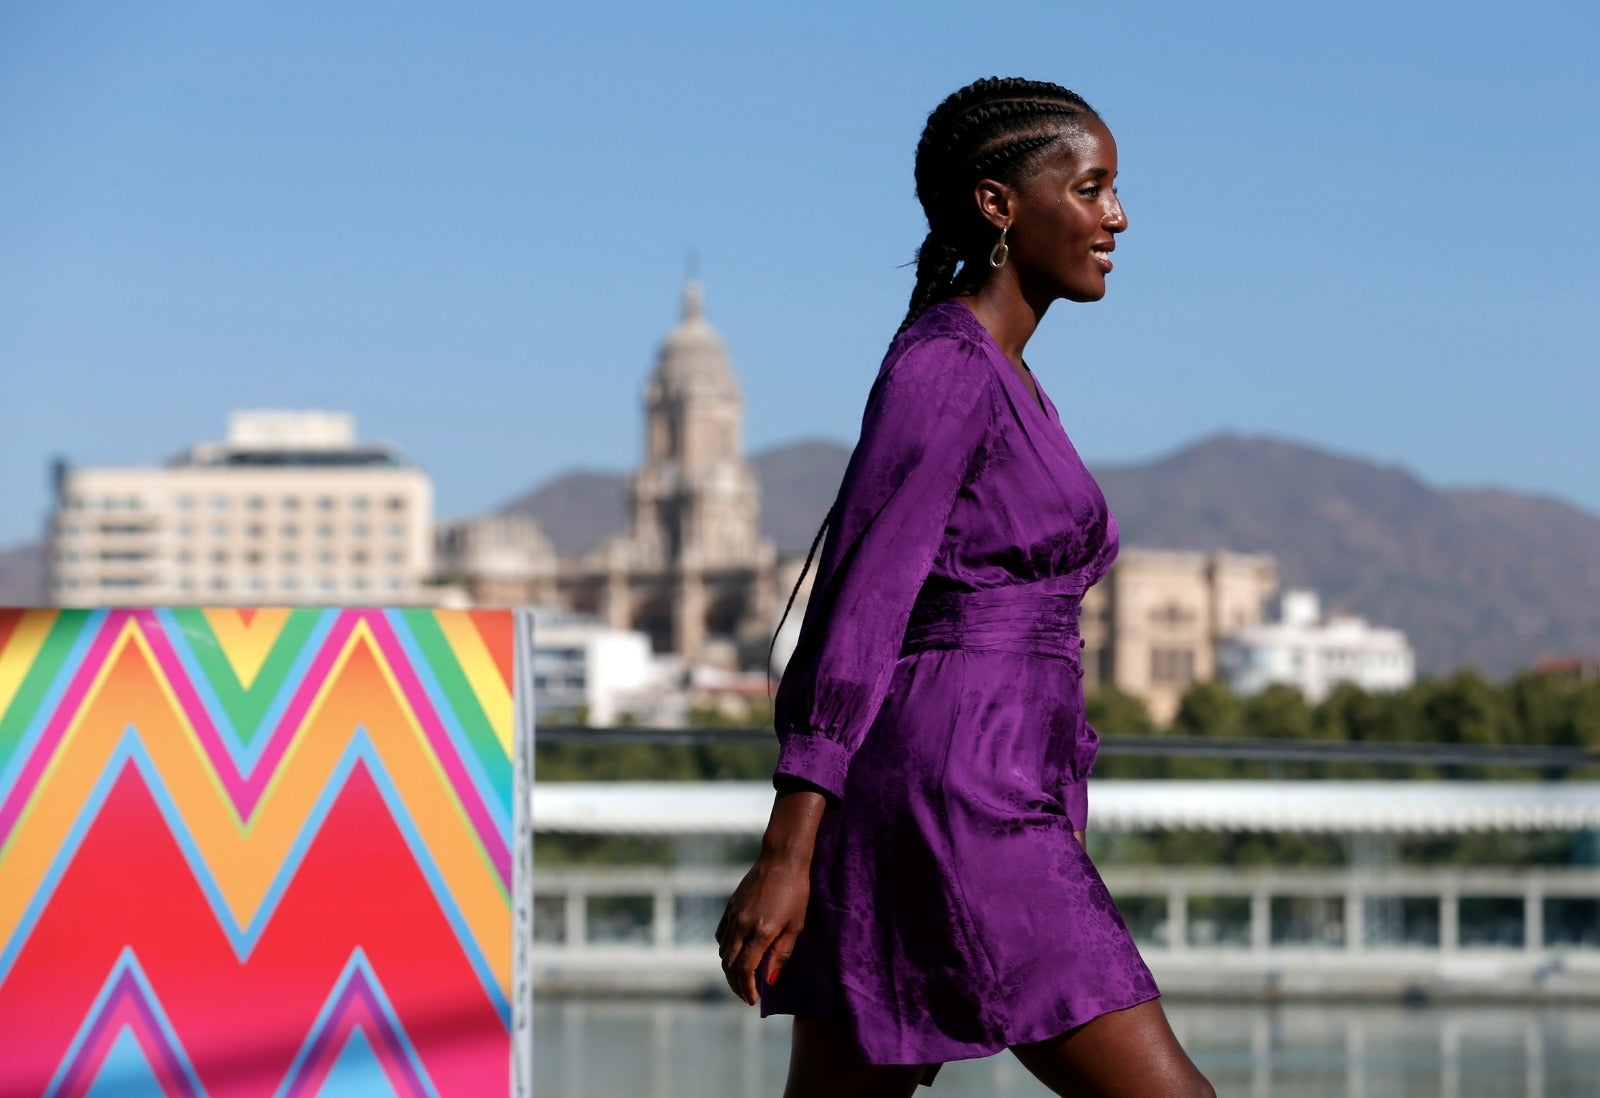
x: 923, y: 893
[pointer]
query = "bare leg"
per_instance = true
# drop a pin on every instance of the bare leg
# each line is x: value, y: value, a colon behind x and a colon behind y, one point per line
x: 1125, y: 1054
x: 824, y: 1063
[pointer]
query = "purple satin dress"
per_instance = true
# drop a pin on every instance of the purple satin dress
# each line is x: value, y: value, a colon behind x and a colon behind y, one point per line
x: 936, y: 694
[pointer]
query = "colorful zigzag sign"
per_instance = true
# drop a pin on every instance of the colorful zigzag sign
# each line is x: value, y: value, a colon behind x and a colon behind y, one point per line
x: 273, y: 852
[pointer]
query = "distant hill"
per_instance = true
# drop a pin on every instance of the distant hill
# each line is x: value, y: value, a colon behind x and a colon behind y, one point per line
x: 802, y: 479
x: 1489, y: 578
x: 1482, y: 577
x: 22, y: 575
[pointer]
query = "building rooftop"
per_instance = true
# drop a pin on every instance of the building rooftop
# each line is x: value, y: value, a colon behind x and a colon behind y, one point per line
x: 290, y: 439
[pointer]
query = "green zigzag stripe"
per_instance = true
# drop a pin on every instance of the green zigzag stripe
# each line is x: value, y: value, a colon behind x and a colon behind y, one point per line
x: 246, y: 707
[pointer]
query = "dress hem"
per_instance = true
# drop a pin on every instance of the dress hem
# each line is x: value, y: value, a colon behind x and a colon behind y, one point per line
x: 930, y: 1057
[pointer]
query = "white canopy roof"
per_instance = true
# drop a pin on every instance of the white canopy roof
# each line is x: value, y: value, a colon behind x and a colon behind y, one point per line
x: 741, y: 808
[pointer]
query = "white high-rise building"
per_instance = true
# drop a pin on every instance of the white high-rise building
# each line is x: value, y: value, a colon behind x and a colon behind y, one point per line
x: 1315, y: 653
x: 291, y: 508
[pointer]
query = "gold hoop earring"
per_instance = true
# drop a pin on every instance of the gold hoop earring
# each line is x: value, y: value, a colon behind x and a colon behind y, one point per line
x: 1001, y: 251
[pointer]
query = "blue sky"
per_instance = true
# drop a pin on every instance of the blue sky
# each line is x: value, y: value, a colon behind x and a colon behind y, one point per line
x: 1369, y: 227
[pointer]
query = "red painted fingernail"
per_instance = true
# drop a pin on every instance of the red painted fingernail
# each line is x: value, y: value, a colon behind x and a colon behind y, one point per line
x: 772, y: 977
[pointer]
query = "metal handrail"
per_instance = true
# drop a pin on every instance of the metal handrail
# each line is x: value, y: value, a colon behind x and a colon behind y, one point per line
x: 1173, y: 746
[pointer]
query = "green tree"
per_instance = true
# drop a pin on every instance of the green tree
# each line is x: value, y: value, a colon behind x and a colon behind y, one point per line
x: 1207, y: 709
x: 1114, y: 712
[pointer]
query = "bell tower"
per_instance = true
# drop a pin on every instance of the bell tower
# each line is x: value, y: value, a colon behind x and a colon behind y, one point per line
x: 694, y: 500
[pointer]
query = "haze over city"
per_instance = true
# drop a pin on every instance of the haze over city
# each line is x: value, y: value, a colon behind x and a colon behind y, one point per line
x: 1363, y: 228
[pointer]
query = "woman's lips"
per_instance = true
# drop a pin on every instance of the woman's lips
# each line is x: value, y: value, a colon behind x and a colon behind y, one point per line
x: 1103, y: 258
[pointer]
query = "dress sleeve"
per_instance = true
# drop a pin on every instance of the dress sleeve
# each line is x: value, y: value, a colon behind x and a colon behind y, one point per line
x: 924, y: 434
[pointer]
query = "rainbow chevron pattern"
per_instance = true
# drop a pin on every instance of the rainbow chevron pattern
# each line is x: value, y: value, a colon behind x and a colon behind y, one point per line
x: 271, y: 852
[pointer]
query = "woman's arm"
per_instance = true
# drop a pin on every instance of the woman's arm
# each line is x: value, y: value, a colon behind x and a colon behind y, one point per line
x: 768, y: 909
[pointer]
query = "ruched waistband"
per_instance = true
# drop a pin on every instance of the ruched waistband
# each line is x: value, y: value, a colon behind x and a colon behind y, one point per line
x: 1024, y: 620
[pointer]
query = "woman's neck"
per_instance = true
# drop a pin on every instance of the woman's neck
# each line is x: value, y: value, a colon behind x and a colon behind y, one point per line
x: 1001, y: 308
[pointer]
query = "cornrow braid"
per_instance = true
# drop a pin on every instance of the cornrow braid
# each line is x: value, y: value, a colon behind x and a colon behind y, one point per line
x: 937, y: 261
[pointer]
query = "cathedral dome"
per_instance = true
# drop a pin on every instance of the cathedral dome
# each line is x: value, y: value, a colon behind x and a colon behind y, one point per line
x: 693, y: 358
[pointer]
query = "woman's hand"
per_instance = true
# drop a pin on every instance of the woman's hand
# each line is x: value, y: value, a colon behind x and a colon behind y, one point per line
x: 768, y: 909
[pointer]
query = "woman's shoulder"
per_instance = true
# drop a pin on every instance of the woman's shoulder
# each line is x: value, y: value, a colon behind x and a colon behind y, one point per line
x: 946, y: 341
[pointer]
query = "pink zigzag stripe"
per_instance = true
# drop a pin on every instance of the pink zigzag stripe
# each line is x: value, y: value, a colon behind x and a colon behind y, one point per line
x: 56, y: 729
x: 126, y: 1006
x: 357, y: 1006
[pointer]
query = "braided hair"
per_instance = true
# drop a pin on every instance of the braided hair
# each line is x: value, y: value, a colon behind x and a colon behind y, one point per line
x: 994, y: 128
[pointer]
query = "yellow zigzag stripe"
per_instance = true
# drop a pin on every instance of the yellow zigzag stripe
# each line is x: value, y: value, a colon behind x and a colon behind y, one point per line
x: 244, y: 856
x: 484, y: 676
x: 247, y: 646
x: 21, y: 651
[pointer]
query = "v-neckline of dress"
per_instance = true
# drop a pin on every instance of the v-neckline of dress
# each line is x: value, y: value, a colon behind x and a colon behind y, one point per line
x: 1042, y: 403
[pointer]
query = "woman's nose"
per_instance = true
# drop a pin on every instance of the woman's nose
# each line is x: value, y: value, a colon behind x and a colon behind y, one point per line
x: 1116, y: 219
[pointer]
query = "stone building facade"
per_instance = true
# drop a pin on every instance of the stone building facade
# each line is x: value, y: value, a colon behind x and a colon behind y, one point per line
x: 1154, y: 625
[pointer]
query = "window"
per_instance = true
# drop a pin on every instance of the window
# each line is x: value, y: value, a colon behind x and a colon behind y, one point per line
x: 395, y: 530
x: 290, y: 503
x: 325, y: 503
x: 289, y: 530
x: 360, y: 530
x: 324, y: 529
x: 219, y: 556
x: 219, y: 503
x: 185, y: 503
x: 360, y: 503
x: 289, y: 556
x: 1172, y: 665
x: 255, y: 503
x: 219, y: 529
x: 395, y: 503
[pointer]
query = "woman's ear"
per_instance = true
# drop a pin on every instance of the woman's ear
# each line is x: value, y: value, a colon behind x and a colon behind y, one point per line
x: 995, y: 200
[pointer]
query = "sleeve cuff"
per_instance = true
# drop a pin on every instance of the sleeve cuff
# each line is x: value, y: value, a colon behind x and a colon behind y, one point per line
x: 815, y: 759
x: 1075, y: 797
